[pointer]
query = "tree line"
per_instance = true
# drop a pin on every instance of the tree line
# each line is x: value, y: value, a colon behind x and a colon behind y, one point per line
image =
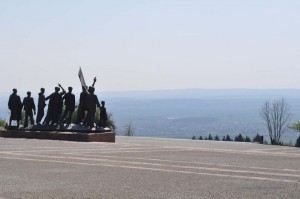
x: 239, y: 138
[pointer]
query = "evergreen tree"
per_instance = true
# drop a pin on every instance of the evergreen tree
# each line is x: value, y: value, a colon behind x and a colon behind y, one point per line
x: 217, y: 138
x: 247, y: 139
x: 259, y: 139
x: 210, y: 137
x: 228, y: 138
x: 200, y: 138
x: 239, y: 138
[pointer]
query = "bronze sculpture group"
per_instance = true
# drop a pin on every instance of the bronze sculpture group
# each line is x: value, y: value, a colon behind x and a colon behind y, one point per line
x: 86, y: 112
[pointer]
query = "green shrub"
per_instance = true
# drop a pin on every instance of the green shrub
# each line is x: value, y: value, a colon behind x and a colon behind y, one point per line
x: 110, y: 123
x: 129, y: 130
x: 2, y: 123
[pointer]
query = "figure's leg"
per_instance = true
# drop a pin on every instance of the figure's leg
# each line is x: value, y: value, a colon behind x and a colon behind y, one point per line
x: 86, y: 117
x: 48, y: 118
x: 10, y: 119
x: 79, y: 115
x: 55, y: 115
x: 91, y: 120
x: 62, y: 119
x: 31, y: 118
x: 59, y: 114
x: 69, y: 119
x: 26, y: 119
x: 40, y: 115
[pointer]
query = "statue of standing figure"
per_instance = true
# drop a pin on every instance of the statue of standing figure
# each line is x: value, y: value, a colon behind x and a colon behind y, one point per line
x: 29, y: 106
x: 103, y: 115
x: 54, y: 107
x: 15, y: 106
x: 92, y: 103
x: 60, y: 103
x: 70, y: 106
x: 41, y: 106
x: 82, y: 108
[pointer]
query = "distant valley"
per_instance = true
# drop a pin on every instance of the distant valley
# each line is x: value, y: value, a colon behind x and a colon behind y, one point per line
x: 188, y: 112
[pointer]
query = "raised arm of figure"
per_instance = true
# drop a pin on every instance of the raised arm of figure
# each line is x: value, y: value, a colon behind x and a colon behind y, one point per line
x: 64, y: 91
x: 95, y: 79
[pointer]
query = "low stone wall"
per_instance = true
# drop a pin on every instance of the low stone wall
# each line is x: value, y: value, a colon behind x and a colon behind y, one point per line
x: 56, y: 135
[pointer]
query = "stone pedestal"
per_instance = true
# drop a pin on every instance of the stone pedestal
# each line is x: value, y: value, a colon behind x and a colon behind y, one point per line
x: 92, y: 136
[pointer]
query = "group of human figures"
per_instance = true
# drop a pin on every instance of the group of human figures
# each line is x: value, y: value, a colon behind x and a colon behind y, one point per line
x: 86, y: 112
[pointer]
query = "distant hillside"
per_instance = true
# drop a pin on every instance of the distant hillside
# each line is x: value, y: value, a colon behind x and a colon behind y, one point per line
x: 184, y: 113
x: 206, y: 93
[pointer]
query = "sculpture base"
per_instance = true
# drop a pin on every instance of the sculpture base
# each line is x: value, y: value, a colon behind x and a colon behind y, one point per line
x: 63, y: 128
x: 58, y: 135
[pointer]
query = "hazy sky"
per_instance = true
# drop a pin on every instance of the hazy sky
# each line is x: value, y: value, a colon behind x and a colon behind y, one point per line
x: 150, y: 44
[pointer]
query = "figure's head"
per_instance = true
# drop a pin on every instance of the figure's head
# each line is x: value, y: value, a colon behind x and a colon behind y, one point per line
x: 42, y: 90
x: 28, y: 93
x: 57, y: 89
x: 70, y: 89
x: 91, y: 89
x: 103, y: 103
x: 15, y: 90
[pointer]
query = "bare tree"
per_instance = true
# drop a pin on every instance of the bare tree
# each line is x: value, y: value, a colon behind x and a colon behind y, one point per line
x: 276, y: 117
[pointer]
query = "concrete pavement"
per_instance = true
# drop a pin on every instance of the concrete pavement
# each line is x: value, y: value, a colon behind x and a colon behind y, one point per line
x: 136, y: 167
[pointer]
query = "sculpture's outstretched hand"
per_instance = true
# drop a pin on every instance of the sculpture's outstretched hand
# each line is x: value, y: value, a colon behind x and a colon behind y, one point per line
x: 95, y: 79
x: 61, y: 87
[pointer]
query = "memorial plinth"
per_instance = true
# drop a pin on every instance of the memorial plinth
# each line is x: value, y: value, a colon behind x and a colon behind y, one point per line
x: 68, y: 133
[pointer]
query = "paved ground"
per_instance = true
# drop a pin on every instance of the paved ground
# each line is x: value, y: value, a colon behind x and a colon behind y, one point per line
x: 140, y: 168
